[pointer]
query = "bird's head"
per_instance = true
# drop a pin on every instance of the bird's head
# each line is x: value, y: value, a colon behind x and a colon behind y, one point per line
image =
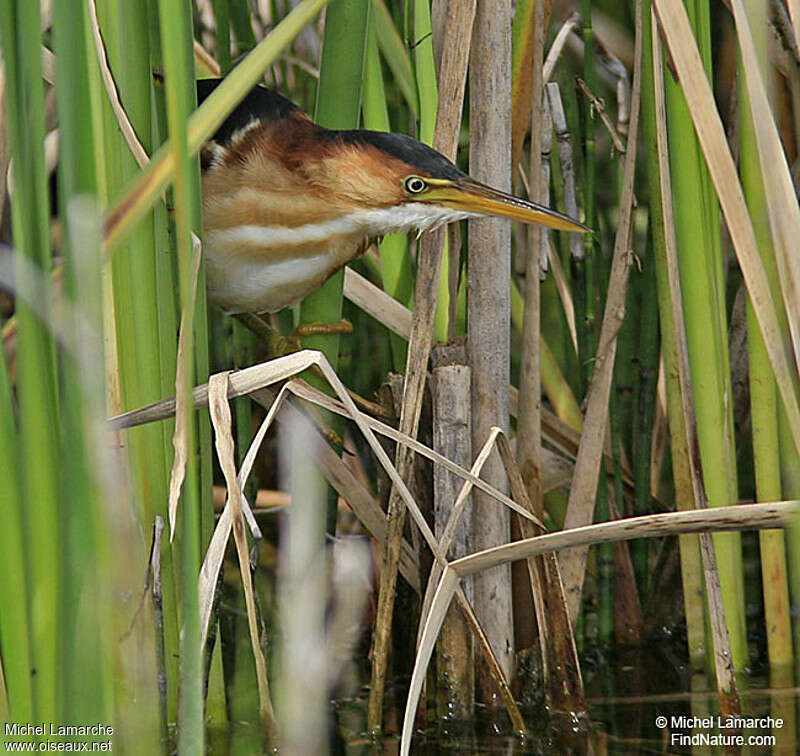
x: 416, y: 186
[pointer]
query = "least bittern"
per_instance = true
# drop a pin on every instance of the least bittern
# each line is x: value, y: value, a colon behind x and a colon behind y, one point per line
x: 287, y: 202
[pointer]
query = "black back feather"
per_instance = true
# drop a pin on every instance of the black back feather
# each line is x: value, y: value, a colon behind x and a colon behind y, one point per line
x: 260, y: 104
x: 267, y: 106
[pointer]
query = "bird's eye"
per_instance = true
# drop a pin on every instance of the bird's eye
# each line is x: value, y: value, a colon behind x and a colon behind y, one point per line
x: 415, y: 185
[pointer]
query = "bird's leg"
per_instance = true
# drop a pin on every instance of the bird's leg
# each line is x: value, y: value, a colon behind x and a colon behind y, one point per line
x: 257, y: 325
x: 281, y: 345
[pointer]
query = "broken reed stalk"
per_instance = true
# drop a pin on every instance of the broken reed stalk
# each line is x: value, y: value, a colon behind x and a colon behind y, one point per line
x: 448, y: 119
x: 489, y: 286
x: 455, y: 658
x: 559, y: 654
x: 567, y: 165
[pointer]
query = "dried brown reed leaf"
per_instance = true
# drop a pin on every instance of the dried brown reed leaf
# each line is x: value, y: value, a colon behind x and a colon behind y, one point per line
x: 450, y: 528
x: 253, y: 381
x: 250, y: 380
x: 794, y: 12
x: 573, y: 23
x: 220, y: 412
x: 365, y: 506
x: 774, y: 514
x: 126, y: 127
x: 749, y: 517
x: 180, y: 438
x: 711, y: 135
x: 215, y: 554
x: 205, y: 60
x: 377, y: 303
x: 445, y: 590
x: 783, y: 209
x: 304, y: 391
x: 599, y: 107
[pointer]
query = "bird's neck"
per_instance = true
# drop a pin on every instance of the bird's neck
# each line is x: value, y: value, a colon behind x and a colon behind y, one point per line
x: 268, y: 232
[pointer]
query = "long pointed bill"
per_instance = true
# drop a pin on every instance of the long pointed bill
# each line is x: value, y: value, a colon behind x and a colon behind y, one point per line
x: 471, y: 196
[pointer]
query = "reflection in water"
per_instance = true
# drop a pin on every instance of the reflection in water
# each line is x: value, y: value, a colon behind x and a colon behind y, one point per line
x: 630, y: 690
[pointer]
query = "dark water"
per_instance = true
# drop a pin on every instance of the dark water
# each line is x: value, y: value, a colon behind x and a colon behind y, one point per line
x: 642, y: 700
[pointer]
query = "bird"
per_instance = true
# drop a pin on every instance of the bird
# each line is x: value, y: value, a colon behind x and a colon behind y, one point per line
x: 287, y: 202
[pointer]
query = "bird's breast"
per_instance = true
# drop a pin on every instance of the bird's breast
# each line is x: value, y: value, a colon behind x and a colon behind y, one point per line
x: 266, y: 248
x: 248, y: 278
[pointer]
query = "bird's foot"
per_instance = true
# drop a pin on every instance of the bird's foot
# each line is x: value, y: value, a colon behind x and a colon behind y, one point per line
x: 293, y: 341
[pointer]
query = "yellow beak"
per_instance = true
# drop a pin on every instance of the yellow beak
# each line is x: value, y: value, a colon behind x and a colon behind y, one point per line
x: 471, y: 196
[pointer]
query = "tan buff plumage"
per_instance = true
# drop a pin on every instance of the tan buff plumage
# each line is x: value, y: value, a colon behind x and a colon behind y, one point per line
x: 287, y: 203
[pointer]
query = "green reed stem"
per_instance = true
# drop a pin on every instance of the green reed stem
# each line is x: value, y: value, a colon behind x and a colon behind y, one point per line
x: 647, y: 352
x: 396, y: 268
x: 15, y: 619
x: 691, y: 566
x: 428, y: 93
x: 705, y: 331
x: 338, y: 107
x: 395, y: 54
x: 763, y: 393
x: 222, y: 34
x: 176, y: 47
x: 39, y: 426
